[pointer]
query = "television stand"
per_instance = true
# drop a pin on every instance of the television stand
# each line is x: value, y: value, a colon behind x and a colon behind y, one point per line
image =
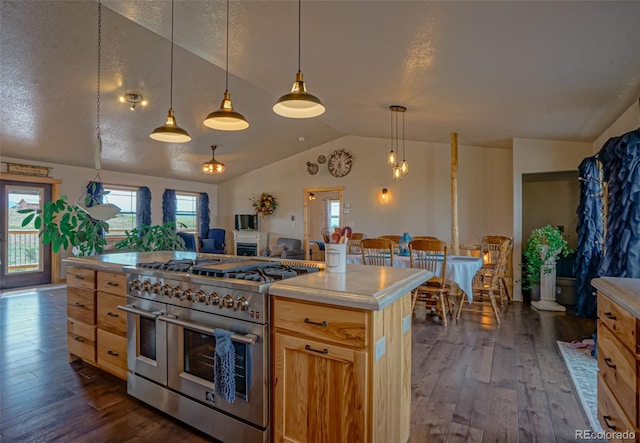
x: 250, y: 243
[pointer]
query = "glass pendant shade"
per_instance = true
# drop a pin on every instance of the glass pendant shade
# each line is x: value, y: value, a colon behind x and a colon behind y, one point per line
x: 225, y: 118
x: 213, y: 166
x: 397, y: 173
x: 299, y: 103
x: 170, y: 132
x: 392, y: 158
x: 404, y: 167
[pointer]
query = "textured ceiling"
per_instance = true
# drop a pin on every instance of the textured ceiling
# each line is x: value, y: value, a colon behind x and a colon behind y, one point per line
x: 490, y: 71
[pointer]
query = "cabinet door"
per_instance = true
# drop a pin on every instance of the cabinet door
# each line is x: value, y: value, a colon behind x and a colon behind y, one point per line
x: 322, y: 389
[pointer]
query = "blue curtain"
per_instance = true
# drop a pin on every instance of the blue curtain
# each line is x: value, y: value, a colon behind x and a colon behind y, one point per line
x: 169, y: 206
x: 620, y: 159
x: 95, y: 194
x: 204, y: 214
x: 590, y: 230
x: 143, y: 207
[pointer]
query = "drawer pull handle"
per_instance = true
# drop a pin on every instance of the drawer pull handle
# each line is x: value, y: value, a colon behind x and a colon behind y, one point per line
x: 78, y: 304
x: 80, y: 339
x: 608, y: 362
x: 323, y: 324
x: 606, y: 420
x: 110, y: 283
x: 610, y: 316
x: 111, y: 314
x: 79, y: 277
x: 110, y: 352
x: 309, y: 348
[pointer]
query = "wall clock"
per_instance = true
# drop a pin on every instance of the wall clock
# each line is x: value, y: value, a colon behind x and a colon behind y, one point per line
x: 339, y: 163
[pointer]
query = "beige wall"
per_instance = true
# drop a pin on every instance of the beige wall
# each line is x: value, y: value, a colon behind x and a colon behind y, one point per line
x: 628, y: 121
x: 419, y: 204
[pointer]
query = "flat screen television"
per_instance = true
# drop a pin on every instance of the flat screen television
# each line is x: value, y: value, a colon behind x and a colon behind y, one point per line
x: 246, y: 222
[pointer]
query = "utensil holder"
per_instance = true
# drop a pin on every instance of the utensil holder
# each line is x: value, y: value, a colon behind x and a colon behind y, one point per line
x: 335, y: 257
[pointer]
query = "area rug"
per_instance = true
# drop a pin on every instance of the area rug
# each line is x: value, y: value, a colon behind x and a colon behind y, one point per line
x: 583, y: 369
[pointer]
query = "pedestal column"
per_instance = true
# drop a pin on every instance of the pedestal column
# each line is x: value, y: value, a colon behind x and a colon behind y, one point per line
x: 547, y: 300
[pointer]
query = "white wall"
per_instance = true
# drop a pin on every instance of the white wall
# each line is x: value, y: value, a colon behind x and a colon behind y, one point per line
x: 419, y: 204
x: 628, y: 121
x: 531, y: 156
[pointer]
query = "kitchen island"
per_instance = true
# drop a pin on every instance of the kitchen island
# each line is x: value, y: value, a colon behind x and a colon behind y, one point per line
x: 329, y: 354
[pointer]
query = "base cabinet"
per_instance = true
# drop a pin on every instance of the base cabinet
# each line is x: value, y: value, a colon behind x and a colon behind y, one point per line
x: 341, y: 374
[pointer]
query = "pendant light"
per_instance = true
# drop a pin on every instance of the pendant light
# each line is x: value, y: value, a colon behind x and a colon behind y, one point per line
x: 225, y: 118
x: 404, y: 165
x: 299, y: 103
x: 170, y: 132
x: 213, y: 166
x: 392, y: 157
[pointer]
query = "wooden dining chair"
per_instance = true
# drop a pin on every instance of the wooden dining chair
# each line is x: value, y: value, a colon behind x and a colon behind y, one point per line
x: 393, y: 238
x: 425, y: 237
x: 377, y: 251
x: 431, y: 255
x: 490, y: 252
x: 487, y: 281
x: 354, y: 244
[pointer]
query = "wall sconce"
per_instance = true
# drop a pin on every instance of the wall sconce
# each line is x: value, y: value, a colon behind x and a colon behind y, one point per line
x: 133, y: 99
x: 312, y: 196
x: 384, y: 195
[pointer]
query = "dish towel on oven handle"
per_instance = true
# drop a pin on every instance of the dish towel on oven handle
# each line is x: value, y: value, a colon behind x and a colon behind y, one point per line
x: 224, y: 366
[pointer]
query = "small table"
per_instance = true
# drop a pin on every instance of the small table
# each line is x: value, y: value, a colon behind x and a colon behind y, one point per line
x: 460, y: 269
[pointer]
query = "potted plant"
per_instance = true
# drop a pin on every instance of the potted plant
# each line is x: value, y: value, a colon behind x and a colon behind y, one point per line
x: 543, y: 247
x: 65, y: 225
x: 152, y: 238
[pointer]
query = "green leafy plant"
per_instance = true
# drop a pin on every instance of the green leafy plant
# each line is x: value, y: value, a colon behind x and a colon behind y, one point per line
x: 153, y: 238
x: 64, y: 225
x: 543, y: 244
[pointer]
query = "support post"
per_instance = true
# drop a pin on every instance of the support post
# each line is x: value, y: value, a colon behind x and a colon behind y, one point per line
x: 455, y: 233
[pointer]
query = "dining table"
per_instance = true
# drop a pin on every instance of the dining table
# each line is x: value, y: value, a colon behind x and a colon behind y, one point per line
x: 460, y: 269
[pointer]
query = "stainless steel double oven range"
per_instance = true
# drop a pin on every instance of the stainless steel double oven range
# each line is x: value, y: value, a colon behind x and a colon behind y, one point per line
x: 173, y: 309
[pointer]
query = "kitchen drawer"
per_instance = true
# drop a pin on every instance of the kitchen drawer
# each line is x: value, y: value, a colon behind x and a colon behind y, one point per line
x: 621, y: 322
x: 112, y: 353
x: 338, y: 325
x: 81, y: 340
x: 81, y: 277
x: 112, y: 283
x: 610, y: 414
x: 617, y: 366
x: 81, y: 305
x: 109, y: 317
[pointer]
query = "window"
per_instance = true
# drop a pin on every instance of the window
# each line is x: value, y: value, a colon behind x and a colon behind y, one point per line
x: 333, y: 213
x: 187, y: 211
x: 125, y: 199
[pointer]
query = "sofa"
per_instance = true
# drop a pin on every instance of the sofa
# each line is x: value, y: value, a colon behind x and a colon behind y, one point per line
x: 286, y: 248
x: 213, y: 243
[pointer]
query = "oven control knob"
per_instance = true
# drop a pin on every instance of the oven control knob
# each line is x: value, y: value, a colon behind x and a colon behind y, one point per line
x: 227, y: 302
x: 242, y: 304
x: 213, y: 298
x: 146, y: 285
x: 135, y: 285
x: 188, y: 295
x: 166, y: 290
x: 200, y: 296
x: 155, y: 288
x: 177, y: 292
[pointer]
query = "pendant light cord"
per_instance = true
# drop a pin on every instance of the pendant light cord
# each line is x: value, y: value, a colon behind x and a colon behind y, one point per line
x: 171, y: 77
x: 397, y: 143
x: 226, y: 85
x: 403, y: 136
x: 391, y: 129
x: 98, y: 77
x: 299, y: 32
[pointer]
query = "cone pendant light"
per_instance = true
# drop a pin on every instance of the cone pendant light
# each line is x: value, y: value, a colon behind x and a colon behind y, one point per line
x: 299, y: 103
x: 170, y: 132
x: 225, y: 118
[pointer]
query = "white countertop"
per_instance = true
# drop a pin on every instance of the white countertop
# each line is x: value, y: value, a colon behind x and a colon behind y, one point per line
x: 116, y: 261
x: 363, y: 287
x: 624, y: 291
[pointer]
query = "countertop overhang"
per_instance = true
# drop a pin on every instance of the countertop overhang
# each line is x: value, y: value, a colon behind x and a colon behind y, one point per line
x: 624, y: 291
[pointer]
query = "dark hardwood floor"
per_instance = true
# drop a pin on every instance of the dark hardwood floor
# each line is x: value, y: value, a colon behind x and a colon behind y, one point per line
x: 472, y: 381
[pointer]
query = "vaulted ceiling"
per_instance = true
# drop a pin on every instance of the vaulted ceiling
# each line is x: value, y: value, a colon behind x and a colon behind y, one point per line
x: 490, y: 71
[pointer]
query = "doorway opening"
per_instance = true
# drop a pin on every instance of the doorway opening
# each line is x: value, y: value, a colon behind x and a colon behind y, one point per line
x: 322, y: 210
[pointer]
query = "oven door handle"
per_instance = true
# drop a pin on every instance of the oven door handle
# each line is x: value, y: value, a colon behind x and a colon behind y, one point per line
x: 141, y: 312
x: 248, y: 339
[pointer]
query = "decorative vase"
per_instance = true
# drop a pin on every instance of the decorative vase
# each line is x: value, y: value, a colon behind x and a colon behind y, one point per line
x: 403, y: 244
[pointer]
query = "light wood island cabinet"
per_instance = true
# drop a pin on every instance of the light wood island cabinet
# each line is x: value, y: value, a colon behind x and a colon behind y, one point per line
x: 341, y: 356
x: 618, y: 356
x: 81, y: 314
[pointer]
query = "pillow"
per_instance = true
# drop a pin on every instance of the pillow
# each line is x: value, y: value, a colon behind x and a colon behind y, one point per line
x: 276, y: 250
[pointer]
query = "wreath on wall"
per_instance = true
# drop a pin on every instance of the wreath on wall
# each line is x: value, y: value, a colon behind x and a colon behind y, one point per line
x: 265, y: 204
